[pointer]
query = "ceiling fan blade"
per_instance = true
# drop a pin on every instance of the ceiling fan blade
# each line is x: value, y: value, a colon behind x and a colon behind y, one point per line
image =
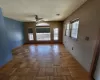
x: 36, y: 17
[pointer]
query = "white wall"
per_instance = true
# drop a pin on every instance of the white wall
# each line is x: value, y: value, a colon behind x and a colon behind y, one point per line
x: 89, y: 17
x: 82, y: 51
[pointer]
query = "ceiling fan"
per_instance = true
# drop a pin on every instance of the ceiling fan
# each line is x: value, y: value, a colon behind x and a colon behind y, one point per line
x: 38, y: 19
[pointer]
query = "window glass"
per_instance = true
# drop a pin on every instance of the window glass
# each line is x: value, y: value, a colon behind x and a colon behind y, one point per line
x: 43, y: 34
x: 74, y: 31
x: 68, y: 30
x: 56, y: 33
x: 42, y: 24
x: 30, y: 34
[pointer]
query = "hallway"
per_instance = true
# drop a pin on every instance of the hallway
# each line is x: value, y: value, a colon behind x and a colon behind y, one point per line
x: 42, y: 62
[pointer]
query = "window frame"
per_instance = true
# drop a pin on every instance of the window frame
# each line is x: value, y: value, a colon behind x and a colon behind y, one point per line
x: 28, y: 34
x: 73, y: 21
x: 42, y: 27
x: 54, y: 34
x: 66, y: 29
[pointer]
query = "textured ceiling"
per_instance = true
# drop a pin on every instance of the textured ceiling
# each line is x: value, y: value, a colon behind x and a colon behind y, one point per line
x: 24, y: 10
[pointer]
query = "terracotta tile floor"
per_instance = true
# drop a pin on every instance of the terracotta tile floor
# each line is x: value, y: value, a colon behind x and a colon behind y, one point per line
x: 42, y: 62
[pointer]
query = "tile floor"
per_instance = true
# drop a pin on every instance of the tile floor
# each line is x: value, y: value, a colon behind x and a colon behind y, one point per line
x: 43, y: 62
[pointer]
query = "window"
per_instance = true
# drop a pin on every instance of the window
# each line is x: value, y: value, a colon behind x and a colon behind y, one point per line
x: 74, y: 29
x: 42, y: 24
x: 30, y: 34
x: 67, y: 32
x: 55, y: 30
x: 43, y: 34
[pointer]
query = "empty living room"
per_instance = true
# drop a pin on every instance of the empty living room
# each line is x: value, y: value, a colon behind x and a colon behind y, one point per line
x: 49, y: 39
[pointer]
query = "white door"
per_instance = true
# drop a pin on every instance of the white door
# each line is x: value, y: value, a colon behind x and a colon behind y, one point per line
x: 97, y: 72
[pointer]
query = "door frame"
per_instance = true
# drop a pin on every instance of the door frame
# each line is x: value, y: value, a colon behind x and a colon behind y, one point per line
x: 95, y: 56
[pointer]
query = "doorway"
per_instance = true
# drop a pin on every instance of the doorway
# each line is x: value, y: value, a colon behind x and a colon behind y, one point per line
x: 96, y: 75
x: 95, y: 66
